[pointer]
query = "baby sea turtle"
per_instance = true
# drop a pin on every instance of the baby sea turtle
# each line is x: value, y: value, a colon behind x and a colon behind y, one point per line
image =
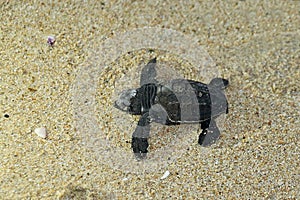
x: 180, y: 101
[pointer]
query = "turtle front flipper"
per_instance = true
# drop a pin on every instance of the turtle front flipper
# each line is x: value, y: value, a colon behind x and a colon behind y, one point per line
x: 210, y: 133
x: 148, y: 73
x: 139, y: 142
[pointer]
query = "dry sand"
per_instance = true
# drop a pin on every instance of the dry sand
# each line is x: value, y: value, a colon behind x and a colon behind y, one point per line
x: 87, y: 155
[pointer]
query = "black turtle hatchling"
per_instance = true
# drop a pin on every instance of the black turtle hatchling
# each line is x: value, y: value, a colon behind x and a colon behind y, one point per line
x: 180, y: 101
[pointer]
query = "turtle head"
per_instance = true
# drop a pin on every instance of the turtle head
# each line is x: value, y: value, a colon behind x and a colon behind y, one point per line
x: 125, y: 100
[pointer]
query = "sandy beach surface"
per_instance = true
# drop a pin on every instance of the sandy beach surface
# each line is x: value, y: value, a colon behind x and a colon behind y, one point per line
x: 69, y: 87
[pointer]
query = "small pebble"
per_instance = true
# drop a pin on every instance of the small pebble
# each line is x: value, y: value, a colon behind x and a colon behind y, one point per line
x: 51, y: 40
x: 166, y: 174
x: 41, y: 132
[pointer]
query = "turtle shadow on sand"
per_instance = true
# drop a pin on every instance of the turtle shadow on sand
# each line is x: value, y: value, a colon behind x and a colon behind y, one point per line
x: 178, y: 101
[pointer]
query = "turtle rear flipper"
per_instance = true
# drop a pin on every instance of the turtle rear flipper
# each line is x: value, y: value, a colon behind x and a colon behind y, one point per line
x: 148, y: 73
x: 210, y: 133
x: 219, y: 83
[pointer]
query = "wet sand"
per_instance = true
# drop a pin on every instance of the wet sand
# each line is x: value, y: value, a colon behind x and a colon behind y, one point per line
x: 69, y: 88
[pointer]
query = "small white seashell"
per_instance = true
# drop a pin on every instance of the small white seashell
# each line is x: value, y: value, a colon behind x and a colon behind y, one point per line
x: 125, y: 179
x: 42, y: 132
x: 166, y: 174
